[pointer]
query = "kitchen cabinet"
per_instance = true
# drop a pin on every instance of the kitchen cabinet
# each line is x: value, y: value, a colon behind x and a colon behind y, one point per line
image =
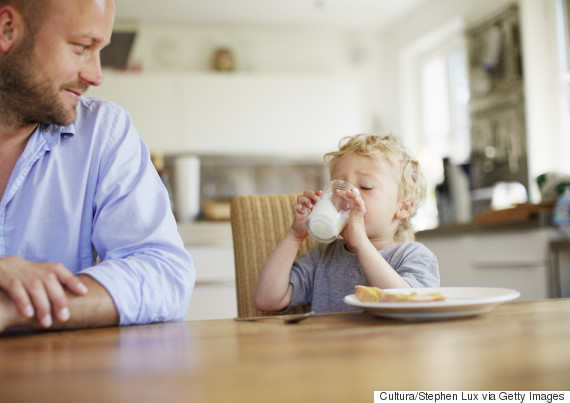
x: 214, y: 294
x: 211, y: 247
x: 516, y: 259
x: 238, y: 113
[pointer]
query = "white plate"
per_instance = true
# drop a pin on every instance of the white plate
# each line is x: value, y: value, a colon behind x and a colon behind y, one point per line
x: 459, y: 302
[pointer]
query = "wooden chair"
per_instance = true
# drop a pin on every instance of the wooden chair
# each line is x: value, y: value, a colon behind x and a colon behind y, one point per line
x: 259, y: 222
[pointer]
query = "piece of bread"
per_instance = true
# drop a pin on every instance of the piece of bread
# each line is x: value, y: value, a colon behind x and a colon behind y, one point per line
x: 368, y: 294
x: 374, y: 294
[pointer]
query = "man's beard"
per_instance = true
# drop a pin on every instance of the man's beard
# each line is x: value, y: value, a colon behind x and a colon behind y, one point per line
x: 26, y: 99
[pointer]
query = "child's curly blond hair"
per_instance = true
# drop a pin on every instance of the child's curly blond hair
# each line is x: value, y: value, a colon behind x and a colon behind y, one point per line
x: 388, y: 148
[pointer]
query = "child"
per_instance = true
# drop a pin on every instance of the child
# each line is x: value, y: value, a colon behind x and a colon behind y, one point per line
x: 377, y: 246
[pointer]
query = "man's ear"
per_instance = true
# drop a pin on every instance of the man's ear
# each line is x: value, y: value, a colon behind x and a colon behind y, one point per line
x: 11, y: 24
x: 405, y: 209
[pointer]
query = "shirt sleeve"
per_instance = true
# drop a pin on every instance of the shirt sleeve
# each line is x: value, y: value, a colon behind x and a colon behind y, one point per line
x: 144, y: 265
x: 416, y: 264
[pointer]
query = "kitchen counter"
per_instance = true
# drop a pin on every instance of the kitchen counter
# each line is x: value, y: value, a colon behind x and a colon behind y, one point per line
x: 219, y: 233
x: 206, y: 233
x: 520, y: 218
x: 523, y: 217
x: 472, y: 228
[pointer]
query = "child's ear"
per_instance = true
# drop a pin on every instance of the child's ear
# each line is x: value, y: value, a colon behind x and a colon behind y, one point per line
x: 405, y: 209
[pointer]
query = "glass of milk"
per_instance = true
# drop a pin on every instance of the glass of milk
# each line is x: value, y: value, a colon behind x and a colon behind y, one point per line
x: 330, y: 214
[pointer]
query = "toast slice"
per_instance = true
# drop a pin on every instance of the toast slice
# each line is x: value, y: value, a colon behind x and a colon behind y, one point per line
x: 375, y: 294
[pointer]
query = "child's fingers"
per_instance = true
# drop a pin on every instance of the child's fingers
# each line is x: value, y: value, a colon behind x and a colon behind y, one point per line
x: 354, y: 196
x: 357, y: 204
x: 306, y: 202
x: 311, y: 197
x: 299, y: 209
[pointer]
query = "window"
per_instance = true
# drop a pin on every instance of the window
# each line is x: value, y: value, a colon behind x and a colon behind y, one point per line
x: 436, y: 107
x: 444, y: 105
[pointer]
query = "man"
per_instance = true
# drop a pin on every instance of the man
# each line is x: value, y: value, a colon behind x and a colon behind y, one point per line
x: 77, y: 184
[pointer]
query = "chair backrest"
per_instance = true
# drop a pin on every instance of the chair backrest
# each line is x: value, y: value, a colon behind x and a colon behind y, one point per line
x: 259, y: 222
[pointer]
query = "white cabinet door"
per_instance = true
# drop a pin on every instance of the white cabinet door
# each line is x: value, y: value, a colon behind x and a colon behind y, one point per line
x: 283, y: 114
x: 507, y: 259
x: 453, y: 258
x: 247, y: 114
x: 516, y: 260
x: 213, y: 301
x: 214, y: 295
x: 213, y: 263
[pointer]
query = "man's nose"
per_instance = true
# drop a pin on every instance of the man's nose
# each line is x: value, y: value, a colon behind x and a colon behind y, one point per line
x: 91, y: 71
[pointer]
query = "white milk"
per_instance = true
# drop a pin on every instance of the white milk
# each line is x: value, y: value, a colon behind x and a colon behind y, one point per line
x: 325, y: 222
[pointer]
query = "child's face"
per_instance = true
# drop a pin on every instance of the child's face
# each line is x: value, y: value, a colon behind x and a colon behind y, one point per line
x: 379, y: 188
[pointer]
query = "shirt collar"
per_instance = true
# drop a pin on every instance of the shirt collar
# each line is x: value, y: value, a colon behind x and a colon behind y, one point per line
x: 53, y: 134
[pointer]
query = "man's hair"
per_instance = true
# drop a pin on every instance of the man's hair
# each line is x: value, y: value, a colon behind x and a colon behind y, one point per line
x: 389, y: 148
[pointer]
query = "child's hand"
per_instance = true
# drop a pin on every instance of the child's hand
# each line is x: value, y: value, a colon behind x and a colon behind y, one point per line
x: 302, y: 209
x: 354, y: 233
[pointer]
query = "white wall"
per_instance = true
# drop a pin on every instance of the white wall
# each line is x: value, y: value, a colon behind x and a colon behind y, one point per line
x: 189, y: 47
x: 546, y: 141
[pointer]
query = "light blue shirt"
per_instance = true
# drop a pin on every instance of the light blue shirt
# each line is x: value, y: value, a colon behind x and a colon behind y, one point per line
x: 91, y: 186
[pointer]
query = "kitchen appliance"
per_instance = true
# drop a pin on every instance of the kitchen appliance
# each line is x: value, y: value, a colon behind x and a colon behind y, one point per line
x: 187, y: 188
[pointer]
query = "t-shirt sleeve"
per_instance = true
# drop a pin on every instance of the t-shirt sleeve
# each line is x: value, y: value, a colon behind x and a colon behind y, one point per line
x: 416, y: 264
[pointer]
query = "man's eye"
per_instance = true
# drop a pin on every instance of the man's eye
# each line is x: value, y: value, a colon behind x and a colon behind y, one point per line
x: 82, y: 48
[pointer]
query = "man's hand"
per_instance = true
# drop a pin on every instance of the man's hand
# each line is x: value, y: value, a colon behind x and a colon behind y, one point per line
x: 38, y: 289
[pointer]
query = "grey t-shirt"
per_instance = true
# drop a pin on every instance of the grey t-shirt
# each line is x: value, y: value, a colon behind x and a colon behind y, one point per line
x: 323, y: 276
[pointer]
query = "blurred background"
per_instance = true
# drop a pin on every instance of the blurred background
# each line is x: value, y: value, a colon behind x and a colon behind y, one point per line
x: 474, y: 84
x: 245, y: 96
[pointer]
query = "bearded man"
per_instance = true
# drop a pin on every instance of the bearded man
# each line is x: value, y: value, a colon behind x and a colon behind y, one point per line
x: 87, y: 236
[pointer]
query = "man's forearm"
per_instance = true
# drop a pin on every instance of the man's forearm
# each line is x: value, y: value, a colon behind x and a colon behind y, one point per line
x: 94, y: 309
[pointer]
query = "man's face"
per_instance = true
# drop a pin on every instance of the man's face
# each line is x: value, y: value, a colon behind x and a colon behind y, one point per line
x: 44, y: 77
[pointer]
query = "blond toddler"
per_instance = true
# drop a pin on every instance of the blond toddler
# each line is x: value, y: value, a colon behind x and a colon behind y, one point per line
x: 377, y: 247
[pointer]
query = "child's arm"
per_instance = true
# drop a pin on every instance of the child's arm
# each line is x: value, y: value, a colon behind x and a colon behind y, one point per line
x: 377, y: 270
x: 273, y: 291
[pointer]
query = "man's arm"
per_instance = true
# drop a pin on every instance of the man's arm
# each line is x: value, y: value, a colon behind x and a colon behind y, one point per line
x: 93, y: 309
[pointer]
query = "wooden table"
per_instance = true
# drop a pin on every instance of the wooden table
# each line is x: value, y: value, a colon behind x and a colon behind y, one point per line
x: 335, y: 357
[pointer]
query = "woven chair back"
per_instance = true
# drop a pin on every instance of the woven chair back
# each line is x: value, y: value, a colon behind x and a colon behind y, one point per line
x: 259, y: 222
